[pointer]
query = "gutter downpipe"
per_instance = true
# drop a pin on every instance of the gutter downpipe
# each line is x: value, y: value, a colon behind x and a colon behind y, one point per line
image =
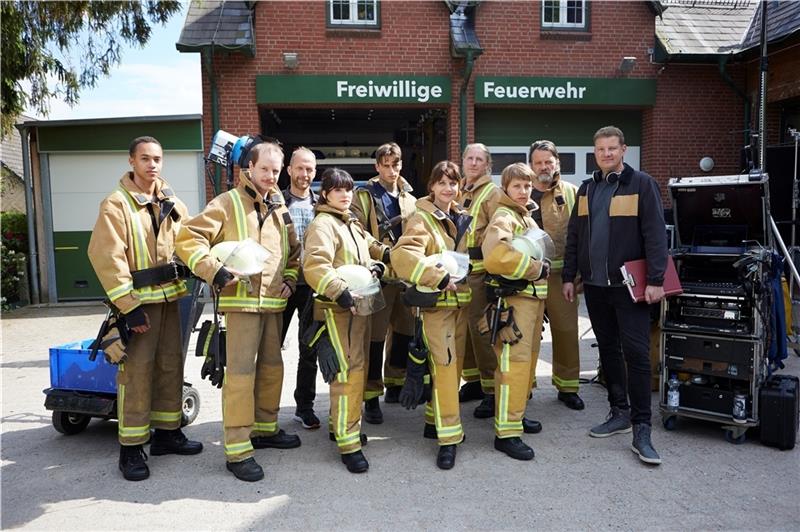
x: 723, y: 62
x: 33, y: 267
x: 470, y: 62
x: 208, y: 63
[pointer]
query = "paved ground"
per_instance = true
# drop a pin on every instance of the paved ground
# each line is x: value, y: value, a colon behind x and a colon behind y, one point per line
x: 50, y: 481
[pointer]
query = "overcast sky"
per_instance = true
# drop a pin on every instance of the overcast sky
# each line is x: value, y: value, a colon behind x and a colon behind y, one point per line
x: 155, y: 80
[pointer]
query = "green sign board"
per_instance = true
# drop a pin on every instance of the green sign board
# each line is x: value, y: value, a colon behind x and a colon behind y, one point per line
x: 353, y: 89
x: 564, y: 91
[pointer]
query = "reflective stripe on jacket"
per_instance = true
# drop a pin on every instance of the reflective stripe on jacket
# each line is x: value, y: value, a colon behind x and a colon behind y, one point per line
x: 556, y: 206
x: 234, y: 215
x: 480, y: 199
x: 124, y: 241
x: 428, y: 232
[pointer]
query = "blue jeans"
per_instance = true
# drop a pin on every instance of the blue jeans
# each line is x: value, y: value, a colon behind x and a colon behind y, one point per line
x: 622, y: 329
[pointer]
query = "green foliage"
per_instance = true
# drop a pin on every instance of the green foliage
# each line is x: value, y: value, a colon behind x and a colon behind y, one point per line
x: 13, y: 250
x: 38, y: 38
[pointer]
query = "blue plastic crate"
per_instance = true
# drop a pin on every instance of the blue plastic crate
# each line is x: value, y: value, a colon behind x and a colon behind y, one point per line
x: 71, y: 369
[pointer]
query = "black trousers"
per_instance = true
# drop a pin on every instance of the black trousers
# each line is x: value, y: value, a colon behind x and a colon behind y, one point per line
x: 305, y: 389
x: 622, y: 329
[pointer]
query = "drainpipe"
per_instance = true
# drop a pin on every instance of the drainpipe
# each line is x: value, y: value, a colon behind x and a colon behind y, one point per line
x: 723, y: 62
x: 470, y: 62
x: 33, y: 259
x: 212, y: 80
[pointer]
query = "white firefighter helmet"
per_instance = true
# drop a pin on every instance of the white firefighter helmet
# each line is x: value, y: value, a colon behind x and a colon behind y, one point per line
x: 244, y: 256
x: 456, y: 264
x: 365, y: 289
x: 534, y: 243
x: 355, y: 276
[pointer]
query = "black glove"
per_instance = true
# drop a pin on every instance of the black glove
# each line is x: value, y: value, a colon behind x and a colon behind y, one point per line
x: 545, y: 271
x: 413, y: 388
x: 345, y: 300
x: 215, y: 339
x: 222, y: 277
x: 326, y: 358
x: 136, y: 318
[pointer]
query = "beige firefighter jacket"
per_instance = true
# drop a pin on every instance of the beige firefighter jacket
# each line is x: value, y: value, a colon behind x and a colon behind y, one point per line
x: 123, y: 241
x: 556, y: 206
x: 364, y: 207
x: 480, y: 199
x: 334, y: 238
x: 235, y: 215
x: 430, y: 231
x: 501, y: 258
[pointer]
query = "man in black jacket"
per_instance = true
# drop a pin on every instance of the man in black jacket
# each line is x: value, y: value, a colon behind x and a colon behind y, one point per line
x: 619, y: 217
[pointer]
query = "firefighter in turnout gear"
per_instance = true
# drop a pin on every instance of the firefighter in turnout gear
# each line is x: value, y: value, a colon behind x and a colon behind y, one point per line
x: 333, y: 239
x: 439, y: 225
x: 556, y: 199
x: 479, y: 195
x: 516, y: 311
x: 383, y: 206
x: 252, y: 304
x: 131, y: 251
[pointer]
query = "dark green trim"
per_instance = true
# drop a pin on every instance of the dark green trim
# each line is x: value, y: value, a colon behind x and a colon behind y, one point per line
x: 331, y: 26
x: 565, y: 127
x: 173, y: 135
x: 75, y: 278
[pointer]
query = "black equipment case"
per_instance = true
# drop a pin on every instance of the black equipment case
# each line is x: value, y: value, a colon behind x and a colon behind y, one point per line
x: 780, y: 407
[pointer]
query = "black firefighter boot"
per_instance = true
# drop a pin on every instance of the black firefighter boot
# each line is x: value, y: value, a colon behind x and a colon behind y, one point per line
x: 132, y: 460
x: 173, y: 442
x: 372, y: 407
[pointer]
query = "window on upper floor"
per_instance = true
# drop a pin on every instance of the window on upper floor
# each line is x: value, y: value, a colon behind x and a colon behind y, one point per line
x: 565, y: 15
x: 361, y: 14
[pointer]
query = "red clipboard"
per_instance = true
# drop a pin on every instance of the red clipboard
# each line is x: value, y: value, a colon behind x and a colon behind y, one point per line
x: 634, y: 276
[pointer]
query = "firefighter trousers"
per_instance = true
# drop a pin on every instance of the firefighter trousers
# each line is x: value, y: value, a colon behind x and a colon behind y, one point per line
x: 563, y: 317
x: 251, y: 391
x: 512, y: 376
x: 479, y: 359
x: 391, y: 329
x: 349, y: 335
x: 150, y: 381
x: 445, y: 334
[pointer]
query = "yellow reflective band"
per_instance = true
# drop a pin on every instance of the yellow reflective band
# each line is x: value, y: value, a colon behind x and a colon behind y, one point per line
x: 165, y: 416
x: 394, y: 381
x: 195, y: 257
x: 341, y: 421
x: 477, y: 266
x: 445, y: 432
x: 504, y: 358
x: 238, y: 448
x: 325, y: 281
x: 487, y: 383
x: 348, y: 439
x: 435, y: 229
x: 132, y: 432
x: 120, y: 291
x: 333, y: 334
x: 239, y: 215
x: 515, y: 426
x: 268, y: 303
x: 473, y: 210
x: 319, y: 333
x: 121, y: 401
x: 566, y: 383
x: 371, y: 394
x: 269, y: 426
x: 557, y: 264
x: 471, y: 372
x: 502, y: 411
x: 363, y: 197
x: 415, y: 359
x: 290, y: 273
x: 140, y: 251
x: 569, y: 196
x: 416, y: 273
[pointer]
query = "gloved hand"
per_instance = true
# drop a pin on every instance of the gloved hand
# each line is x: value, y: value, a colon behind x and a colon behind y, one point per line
x: 413, y: 388
x: 377, y: 269
x: 345, y: 299
x: 485, y: 323
x: 115, y: 341
x: 508, y: 331
x: 326, y: 358
x: 545, y: 271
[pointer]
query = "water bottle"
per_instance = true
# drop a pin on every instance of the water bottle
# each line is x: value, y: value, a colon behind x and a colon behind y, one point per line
x: 673, y: 394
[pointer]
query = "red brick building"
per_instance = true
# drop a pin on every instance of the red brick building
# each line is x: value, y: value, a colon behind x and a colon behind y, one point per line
x: 344, y: 76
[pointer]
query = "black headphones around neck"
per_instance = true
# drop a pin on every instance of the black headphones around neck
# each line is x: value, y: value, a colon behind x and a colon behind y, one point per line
x: 611, y: 177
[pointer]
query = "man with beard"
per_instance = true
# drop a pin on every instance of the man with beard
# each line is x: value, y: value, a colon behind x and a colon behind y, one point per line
x: 556, y: 199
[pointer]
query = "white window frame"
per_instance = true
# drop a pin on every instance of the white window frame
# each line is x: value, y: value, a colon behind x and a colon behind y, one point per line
x: 353, y: 20
x: 562, y: 16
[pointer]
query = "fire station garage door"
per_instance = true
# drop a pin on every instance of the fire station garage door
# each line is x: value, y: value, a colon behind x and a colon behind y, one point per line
x: 508, y: 133
x: 78, y: 183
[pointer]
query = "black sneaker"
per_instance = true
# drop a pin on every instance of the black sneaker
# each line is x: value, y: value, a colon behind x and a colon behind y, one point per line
x: 132, y: 460
x: 392, y: 394
x: 372, y: 411
x: 173, y: 442
x: 307, y: 418
x: 643, y: 446
x: 618, y: 421
x: 514, y: 447
x: 356, y: 462
x: 446, y: 458
x: 486, y: 408
x: 470, y: 391
x: 530, y: 426
x: 363, y: 438
x: 247, y: 470
x: 572, y: 400
x: 430, y: 432
x: 281, y: 440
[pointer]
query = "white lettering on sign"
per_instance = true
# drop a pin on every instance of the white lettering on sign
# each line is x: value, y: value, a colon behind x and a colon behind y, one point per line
x: 562, y: 92
x: 396, y: 89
